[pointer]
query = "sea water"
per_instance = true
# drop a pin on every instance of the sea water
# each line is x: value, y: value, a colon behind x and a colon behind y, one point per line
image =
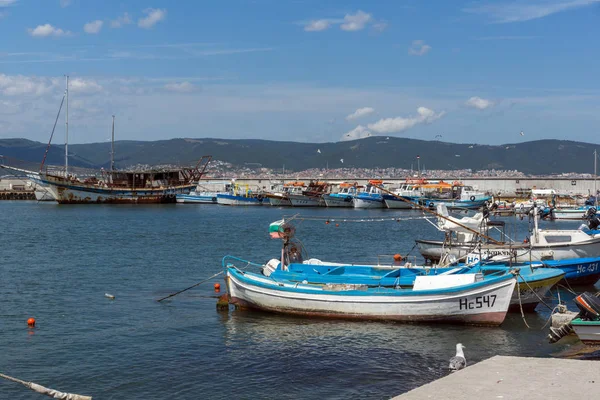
x: 58, y: 261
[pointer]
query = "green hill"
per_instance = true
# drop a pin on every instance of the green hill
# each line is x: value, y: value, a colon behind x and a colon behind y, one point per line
x: 536, y: 157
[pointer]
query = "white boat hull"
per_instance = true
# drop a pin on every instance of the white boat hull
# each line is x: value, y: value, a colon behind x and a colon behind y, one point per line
x: 226, y: 201
x: 569, y: 214
x: 280, y: 202
x: 364, y: 203
x: 306, y: 201
x: 397, y: 204
x: 433, y: 250
x: 588, y: 334
x: 464, y: 306
x: 43, y: 195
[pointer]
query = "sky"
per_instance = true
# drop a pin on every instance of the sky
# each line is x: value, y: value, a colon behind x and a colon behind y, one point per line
x: 489, y: 72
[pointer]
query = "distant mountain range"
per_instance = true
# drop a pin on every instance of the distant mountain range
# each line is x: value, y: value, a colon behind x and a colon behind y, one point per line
x: 536, y: 157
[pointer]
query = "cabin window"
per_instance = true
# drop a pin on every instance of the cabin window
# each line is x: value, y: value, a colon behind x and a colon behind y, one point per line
x: 558, y: 239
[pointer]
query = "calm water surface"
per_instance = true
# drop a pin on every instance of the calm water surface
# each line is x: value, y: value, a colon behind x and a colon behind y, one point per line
x: 57, y: 262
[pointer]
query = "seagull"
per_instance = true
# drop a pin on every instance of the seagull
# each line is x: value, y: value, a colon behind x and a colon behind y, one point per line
x: 438, y: 136
x: 342, y: 160
x: 522, y: 133
x: 319, y: 151
x: 458, y: 361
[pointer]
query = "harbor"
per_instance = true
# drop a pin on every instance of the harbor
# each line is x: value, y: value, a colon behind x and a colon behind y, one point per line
x: 142, y: 341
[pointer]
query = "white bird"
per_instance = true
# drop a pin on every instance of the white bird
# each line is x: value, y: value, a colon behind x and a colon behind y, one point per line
x: 342, y: 160
x: 319, y: 151
x: 458, y: 361
x: 522, y: 133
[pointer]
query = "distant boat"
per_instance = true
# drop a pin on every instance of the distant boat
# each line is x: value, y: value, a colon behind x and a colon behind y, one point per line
x: 371, y: 197
x: 312, y: 196
x: 344, y: 197
x: 410, y: 191
x: 205, y: 193
x: 455, y: 196
x: 114, y: 186
x: 281, y: 196
x: 240, y: 195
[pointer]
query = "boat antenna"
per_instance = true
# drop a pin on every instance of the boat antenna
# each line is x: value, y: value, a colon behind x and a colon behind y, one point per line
x: 67, y: 129
x: 52, y: 134
x: 112, y: 146
x: 595, y: 176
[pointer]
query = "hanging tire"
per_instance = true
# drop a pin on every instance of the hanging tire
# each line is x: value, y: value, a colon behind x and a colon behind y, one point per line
x: 472, y: 198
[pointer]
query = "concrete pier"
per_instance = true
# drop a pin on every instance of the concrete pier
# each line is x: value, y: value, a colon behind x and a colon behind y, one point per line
x: 516, y: 378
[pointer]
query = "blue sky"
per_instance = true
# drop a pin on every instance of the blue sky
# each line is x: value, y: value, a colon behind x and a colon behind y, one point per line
x: 303, y: 70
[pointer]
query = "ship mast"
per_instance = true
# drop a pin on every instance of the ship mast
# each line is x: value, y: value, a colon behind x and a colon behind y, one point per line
x: 67, y: 130
x: 112, y: 147
x: 595, y: 176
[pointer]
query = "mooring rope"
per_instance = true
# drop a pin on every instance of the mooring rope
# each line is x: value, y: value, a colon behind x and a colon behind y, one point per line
x: 191, y: 287
x: 520, y: 303
x: 47, y: 391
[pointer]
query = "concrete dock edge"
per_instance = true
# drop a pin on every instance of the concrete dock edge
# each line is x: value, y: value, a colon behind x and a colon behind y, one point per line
x: 516, y: 378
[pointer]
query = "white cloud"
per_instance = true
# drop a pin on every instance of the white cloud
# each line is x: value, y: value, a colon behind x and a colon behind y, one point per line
x: 86, y: 86
x: 93, y: 27
x: 520, y: 11
x: 359, y: 132
x: 418, y: 48
x: 317, y: 25
x: 361, y: 112
x: 19, y: 85
x: 181, y: 87
x: 65, y: 3
x: 356, y: 22
x: 153, y: 16
x: 6, y: 3
x: 479, y: 103
x: 121, y: 20
x: 47, y: 30
x: 399, y: 124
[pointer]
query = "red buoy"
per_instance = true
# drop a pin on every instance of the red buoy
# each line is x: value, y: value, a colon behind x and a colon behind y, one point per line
x: 337, y: 225
x: 31, y: 322
x: 217, y: 287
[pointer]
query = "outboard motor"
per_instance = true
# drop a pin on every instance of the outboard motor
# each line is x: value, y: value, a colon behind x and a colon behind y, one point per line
x: 592, y: 218
x: 589, y: 306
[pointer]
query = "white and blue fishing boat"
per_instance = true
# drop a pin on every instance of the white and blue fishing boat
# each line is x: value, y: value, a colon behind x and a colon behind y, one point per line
x: 371, y: 197
x: 403, y: 197
x: 583, y: 212
x: 344, y: 197
x: 240, y: 195
x: 456, y: 196
x: 205, y: 193
x: 465, y: 299
x: 280, y: 197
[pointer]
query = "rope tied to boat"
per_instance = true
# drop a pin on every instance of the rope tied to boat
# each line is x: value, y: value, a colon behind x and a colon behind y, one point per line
x: 191, y: 287
x: 517, y: 274
x: 47, y: 391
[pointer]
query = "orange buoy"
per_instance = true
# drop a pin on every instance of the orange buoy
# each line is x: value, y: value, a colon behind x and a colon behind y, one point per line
x: 327, y: 222
x: 397, y: 257
x: 337, y: 225
x: 217, y: 287
x: 31, y: 322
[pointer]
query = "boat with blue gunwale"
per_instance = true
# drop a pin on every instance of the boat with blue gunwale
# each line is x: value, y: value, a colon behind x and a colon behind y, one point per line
x: 344, y: 197
x: 464, y: 299
x: 240, y: 195
x: 371, y: 197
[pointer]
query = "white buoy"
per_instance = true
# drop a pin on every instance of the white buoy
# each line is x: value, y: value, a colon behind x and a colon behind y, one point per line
x: 110, y: 296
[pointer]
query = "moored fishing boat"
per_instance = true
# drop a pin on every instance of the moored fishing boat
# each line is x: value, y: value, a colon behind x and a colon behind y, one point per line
x: 240, y: 195
x: 204, y: 193
x: 281, y: 198
x: 455, y: 196
x: 312, y: 196
x: 344, y: 197
x: 371, y: 197
x: 465, y: 299
x: 135, y: 186
x: 410, y: 190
